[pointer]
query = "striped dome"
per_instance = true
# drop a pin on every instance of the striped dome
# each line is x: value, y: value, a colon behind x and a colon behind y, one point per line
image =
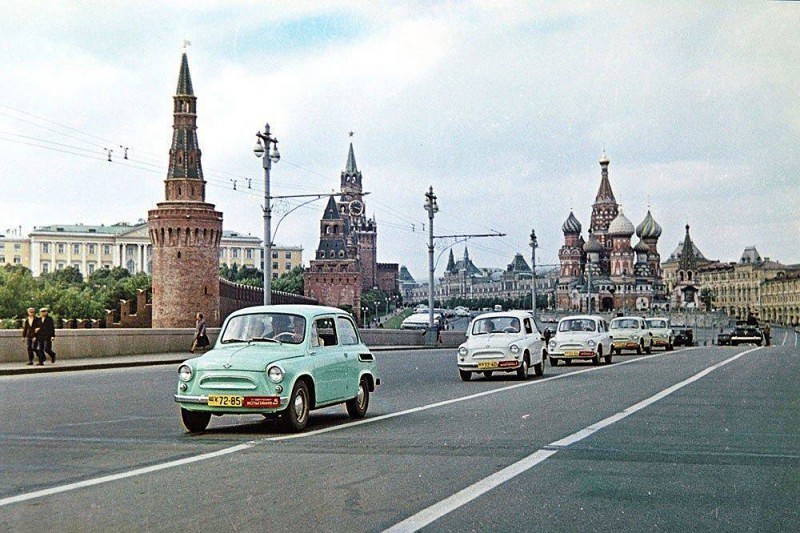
x: 571, y: 225
x: 649, y: 228
x: 621, y: 226
x: 641, y: 247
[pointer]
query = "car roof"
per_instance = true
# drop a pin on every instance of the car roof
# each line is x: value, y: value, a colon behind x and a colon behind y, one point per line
x: 582, y: 317
x: 294, y: 309
x: 500, y: 314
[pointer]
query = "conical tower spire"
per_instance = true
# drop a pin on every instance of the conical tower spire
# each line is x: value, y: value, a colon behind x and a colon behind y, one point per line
x: 688, y: 259
x: 185, y: 79
x: 604, y: 193
x: 451, y: 262
x: 351, y: 161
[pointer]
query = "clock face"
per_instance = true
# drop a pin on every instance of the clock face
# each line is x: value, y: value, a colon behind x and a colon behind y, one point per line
x: 356, y: 207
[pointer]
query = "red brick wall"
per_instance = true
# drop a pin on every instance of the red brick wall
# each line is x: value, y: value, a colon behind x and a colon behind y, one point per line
x: 333, y: 288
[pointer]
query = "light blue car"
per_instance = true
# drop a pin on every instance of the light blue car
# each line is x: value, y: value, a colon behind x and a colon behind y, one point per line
x: 279, y: 359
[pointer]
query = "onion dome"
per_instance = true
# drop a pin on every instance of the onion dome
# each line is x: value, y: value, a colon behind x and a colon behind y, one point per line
x: 649, y: 228
x: 621, y: 226
x: 571, y: 225
x: 592, y: 246
x: 641, y: 247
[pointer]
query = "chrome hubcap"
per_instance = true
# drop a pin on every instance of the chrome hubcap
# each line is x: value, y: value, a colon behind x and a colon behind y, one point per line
x: 300, y: 405
x: 362, y: 395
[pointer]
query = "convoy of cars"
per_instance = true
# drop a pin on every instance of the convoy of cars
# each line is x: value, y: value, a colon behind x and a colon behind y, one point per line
x: 502, y: 342
x: 580, y: 337
x: 630, y: 333
x: 283, y: 360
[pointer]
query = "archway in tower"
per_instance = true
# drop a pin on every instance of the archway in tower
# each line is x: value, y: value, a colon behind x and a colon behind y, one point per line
x: 607, y: 304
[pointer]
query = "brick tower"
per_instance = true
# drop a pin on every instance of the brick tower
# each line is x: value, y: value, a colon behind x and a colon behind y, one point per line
x: 184, y: 229
x: 604, y: 210
x: 363, y: 230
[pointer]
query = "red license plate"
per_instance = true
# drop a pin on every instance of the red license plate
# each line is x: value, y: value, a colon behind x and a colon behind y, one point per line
x: 506, y: 364
x: 262, y: 401
x: 587, y: 353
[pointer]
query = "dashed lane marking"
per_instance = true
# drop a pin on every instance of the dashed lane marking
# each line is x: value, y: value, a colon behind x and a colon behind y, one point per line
x: 463, y: 497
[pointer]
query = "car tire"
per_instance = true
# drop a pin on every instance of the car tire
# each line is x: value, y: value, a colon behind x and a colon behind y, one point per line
x: 465, y: 375
x: 295, y: 416
x: 568, y: 362
x: 553, y: 361
x: 649, y: 349
x: 195, y: 421
x: 669, y: 346
x: 597, y: 356
x: 487, y: 373
x: 522, y: 371
x: 618, y: 350
x: 357, y: 407
x: 639, y: 348
x: 609, y: 357
x: 538, y: 368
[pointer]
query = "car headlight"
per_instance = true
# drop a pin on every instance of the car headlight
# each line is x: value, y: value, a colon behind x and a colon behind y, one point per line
x: 514, y: 349
x: 552, y: 344
x: 590, y: 343
x: 185, y: 373
x: 462, y: 351
x: 275, y: 374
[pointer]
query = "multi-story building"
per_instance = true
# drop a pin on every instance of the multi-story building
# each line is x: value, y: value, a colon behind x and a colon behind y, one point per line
x: 15, y: 249
x: 87, y: 248
x: 780, y: 297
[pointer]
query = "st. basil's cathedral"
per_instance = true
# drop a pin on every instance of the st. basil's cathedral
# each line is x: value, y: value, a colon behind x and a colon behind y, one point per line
x: 621, y: 275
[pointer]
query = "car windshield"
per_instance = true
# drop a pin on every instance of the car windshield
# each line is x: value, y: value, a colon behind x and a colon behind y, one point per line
x: 657, y: 324
x: 624, y: 323
x: 577, y: 324
x: 265, y: 327
x: 498, y: 324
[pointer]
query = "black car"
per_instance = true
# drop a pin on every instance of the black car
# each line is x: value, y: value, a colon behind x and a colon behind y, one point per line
x: 747, y: 335
x: 683, y: 337
x: 724, y: 338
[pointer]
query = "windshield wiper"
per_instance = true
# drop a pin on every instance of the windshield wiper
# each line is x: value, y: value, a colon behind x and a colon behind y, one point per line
x: 264, y: 339
x: 226, y: 341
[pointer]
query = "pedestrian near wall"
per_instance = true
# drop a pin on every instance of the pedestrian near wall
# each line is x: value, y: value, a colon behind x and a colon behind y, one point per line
x: 767, y: 333
x: 30, y: 327
x: 200, y: 337
x: 46, y: 336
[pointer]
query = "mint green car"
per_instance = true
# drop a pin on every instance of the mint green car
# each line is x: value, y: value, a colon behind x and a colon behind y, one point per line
x: 279, y: 359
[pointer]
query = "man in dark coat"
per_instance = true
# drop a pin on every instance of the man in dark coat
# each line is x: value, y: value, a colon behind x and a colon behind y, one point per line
x: 30, y: 327
x: 45, y: 336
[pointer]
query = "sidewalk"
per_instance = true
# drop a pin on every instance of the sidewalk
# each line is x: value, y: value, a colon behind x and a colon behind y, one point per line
x: 127, y: 361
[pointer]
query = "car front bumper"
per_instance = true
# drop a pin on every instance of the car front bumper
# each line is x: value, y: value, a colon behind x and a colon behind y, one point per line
x: 200, y: 403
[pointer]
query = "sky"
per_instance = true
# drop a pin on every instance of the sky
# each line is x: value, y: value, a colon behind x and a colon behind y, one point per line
x: 504, y: 108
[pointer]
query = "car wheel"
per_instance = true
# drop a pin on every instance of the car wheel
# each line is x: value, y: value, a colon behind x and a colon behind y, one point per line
x: 669, y: 346
x: 639, y: 348
x: 649, y: 349
x: 538, y: 368
x: 609, y: 357
x: 553, y: 361
x: 522, y: 371
x: 597, y: 356
x: 567, y: 362
x: 487, y: 373
x: 357, y: 407
x: 295, y: 417
x: 465, y: 375
x: 195, y: 421
x: 618, y: 350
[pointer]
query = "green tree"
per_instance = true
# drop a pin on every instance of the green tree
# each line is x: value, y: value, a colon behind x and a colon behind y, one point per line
x: 17, y: 290
x: 291, y: 281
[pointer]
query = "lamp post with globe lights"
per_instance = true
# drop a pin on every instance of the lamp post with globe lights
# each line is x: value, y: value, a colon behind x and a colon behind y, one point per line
x: 268, y: 157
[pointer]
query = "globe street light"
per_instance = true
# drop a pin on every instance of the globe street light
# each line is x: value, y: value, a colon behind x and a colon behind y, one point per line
x: 263, y: 152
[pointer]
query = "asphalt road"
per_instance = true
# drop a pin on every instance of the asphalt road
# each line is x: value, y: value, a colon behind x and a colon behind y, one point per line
x: 670, y: 445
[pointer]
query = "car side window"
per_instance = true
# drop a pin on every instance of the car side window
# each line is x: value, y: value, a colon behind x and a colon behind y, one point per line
x: 528, y: 328
x: 326, y: 330
x: 347, y: 332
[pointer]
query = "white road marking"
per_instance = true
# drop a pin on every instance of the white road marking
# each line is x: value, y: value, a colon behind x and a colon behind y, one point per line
x: 461, y: 498
x: 248, y: 445
x: 122, y: 475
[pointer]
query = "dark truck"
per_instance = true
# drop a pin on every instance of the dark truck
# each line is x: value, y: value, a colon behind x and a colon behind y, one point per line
x: 747, y: 335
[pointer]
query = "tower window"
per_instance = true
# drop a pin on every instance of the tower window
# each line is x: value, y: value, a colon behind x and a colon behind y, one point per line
x: 179, y: 255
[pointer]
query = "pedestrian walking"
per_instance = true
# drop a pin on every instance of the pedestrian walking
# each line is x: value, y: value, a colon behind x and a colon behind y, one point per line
x: 767, y: 333
x: 46, y: 336
x: 200, y: 337
x: 30, y: 327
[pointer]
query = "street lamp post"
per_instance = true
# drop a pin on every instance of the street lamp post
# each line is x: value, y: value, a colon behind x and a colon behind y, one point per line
x: 624, y: 274
x: 432, y: 208
x: 534, y: 245
x: 267, y: 158
x: 589, y: 285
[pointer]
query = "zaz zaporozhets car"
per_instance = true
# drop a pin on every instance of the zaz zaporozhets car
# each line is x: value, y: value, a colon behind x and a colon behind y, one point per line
x: 501, y: 342
x: 279, y: 359
x: 630, y: 333
x: 662, y: 332
x: 580, y: 337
